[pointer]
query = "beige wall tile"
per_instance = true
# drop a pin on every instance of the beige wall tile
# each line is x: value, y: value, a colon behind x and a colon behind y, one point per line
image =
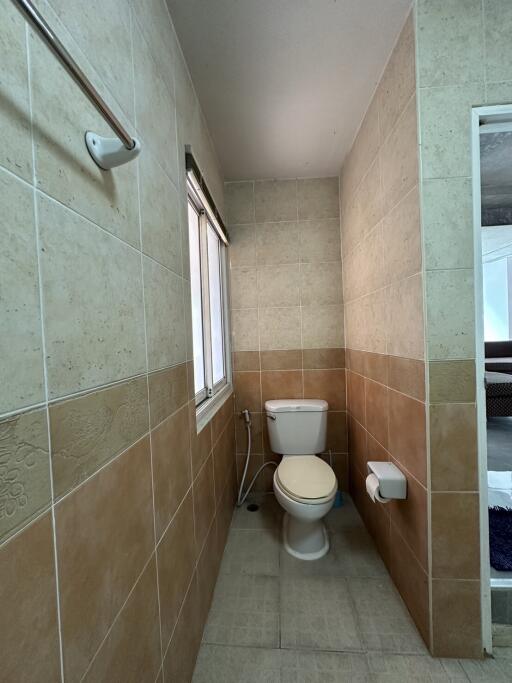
x: 363, y: 151
x: 155, y: 111
x: 242, y: 245
x: 281, y: 360
x: 103, y: 35
x: 246, y: 360
x: 498, y: 53
x: 165, y: 318
x: 92, y: 282
x: 321, y: 284
x: 280, y: 384
x: 446, y: 55
x: 21, y: 374
x: 407, y: 375
x: 113, y: 512
x: 410, y: 517
x: 407, y: 434
x: 239, y: 202
x: 313, y: 359
x: 160, y: 215
x: 67, y: 172
x: 204, y: 503
x: 280, y: 328
x: 275, y: 200
x: 368, y: 202
x: 244, y: 327
x: 279, y: 286
x: 16, y: 152
x: 445, y: 152
x: 277, y: 243
x: 398, y: 80
x: 89, y: 430
x: 318, y: 198
x: 450, y: 314
x: 154, y: 22
x: 30, y: 645
x: 328, y: 385
x: 499, y: 93
x: 322, y: 327
x: 455, y: 536
x: 167, y: 392
x: 456, y: 619
x: 25, y: 472
x: 171, y: 459
x: 401, y: 231
x: 320, y: 240
x: 131, y: 651
x: 244, y: 287
x: 176, y: 556
x: 453, y: 447
x: 406, y: 336
x: 452, y: 381
x: 399, y: 157
x: 448, y: 223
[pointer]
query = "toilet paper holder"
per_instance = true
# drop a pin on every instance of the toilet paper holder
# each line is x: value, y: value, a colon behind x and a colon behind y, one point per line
x: 392, y: 482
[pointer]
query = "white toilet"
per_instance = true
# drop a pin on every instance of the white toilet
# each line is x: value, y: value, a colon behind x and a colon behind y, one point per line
x: 304, y: 484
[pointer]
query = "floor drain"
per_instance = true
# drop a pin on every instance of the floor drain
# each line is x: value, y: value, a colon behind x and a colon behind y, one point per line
x: 252, y: 507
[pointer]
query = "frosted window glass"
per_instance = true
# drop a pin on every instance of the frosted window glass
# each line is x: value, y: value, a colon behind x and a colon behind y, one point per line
x: 197, y: 308
x: 214, y: 278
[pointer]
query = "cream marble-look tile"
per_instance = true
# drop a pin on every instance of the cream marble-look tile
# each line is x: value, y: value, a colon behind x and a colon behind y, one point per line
x: 279, y: 285
x: 102, y: 31
x: 21, y: 374
x: 318, y: 198
x: 277, y: 243
x: 447, y: 221
x: 155, y: 110
x: 160, y: 215
x: 450, y: 314
x: 398, y: 80
x: 406, y: 330
x: 92, y: 291
x: 498, y: 51
x: 322, y: 327
x: 320, y: 284
x: 320, y: 240
x: 153, y: 19
x: 242, y: 245
x: 275, y: 200
x: 239, y: 202
x: 363, y: 151
x: 64, y: 168
x: 399, y: 157
x: 279, y: 328
x: 445, y: 150
x: 25, y: 471
x: 244, y: 287
x: 446, y: 55
x: 401, y: 233
x: 16, y: 150
x: 244, y: 326
x: 165, y: 316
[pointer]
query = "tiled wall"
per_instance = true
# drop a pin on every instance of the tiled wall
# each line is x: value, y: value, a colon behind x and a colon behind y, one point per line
x: 286, y: 306
x: 464, y: 60
x: 384, y: 327
x: 113, y: 511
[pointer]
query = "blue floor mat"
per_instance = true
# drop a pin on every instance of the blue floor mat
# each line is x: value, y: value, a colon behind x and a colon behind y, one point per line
x: 500, y: 538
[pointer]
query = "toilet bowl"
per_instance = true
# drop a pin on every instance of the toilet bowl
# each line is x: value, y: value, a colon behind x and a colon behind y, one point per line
x: 304, y: 485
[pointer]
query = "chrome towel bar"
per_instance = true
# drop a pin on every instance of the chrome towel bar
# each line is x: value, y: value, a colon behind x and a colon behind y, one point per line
x: 106, y: 152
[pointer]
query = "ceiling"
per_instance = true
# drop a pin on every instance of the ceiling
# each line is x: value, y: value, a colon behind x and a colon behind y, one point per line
x: 284, y: 84
x: 496, y: 170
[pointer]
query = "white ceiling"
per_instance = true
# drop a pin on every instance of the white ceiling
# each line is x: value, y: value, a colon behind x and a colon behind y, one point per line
x: 284, y: 84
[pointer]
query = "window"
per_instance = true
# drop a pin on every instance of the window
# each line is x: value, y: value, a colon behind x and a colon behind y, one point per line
x: 209, y: 298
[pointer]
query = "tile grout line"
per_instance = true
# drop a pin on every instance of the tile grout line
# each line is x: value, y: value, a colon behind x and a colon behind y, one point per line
x: 43, y: 350
x: 144, y: 321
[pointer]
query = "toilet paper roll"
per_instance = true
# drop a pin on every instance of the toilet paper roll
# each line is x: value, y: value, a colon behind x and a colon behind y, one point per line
x: 372, y: 488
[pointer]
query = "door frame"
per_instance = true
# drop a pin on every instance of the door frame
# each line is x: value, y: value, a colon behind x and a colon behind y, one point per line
x: 485, y: 568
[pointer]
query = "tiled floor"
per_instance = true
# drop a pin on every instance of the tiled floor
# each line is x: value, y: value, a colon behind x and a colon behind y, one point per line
x: 275, y: 619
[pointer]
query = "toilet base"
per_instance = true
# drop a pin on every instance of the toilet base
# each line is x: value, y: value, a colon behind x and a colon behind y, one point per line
x: 305, y: 540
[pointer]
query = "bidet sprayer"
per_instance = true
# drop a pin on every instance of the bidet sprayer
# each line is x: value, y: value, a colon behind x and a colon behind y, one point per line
x: 247, y: 416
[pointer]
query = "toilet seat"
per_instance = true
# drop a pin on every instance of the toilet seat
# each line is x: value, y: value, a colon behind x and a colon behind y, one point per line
x: 306, y: 479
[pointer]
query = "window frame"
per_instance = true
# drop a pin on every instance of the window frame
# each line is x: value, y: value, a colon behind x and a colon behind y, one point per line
x: 209, y: 399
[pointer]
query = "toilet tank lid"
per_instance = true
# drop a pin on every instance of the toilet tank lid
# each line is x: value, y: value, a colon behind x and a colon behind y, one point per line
x: 295, y: 405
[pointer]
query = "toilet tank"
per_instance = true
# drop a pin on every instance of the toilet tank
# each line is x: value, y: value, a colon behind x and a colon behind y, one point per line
x: 297, y: 426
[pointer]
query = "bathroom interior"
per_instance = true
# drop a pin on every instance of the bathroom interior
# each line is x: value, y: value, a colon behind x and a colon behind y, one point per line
x: 254, y: 410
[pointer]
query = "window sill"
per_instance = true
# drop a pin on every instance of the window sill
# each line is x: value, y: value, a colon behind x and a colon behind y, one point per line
x: 207, y: 410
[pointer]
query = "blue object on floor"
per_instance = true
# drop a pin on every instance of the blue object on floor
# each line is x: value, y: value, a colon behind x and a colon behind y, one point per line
x: 500, y: 538
x: 338, y: 501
